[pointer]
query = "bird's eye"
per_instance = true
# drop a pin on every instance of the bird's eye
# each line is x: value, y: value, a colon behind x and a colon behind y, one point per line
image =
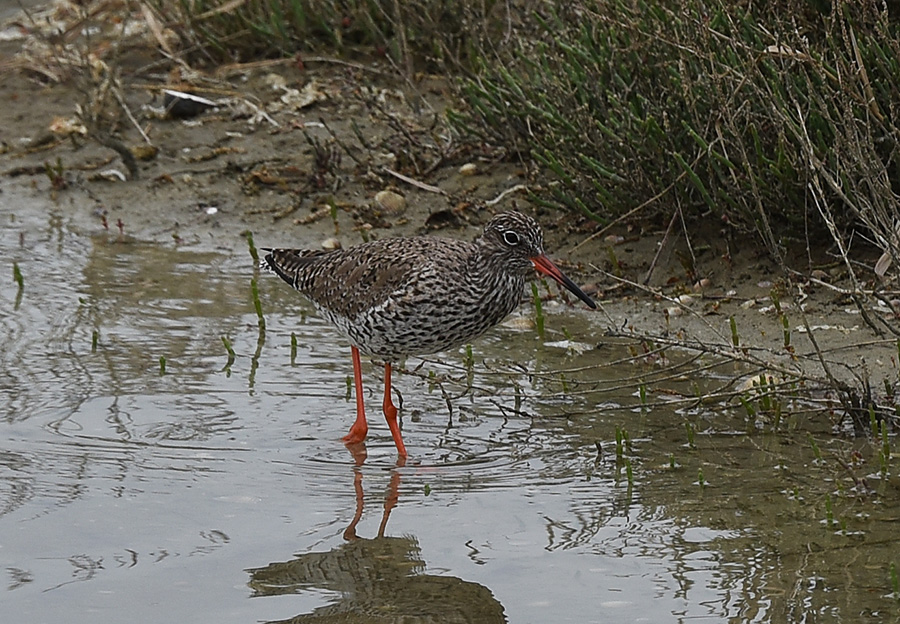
x: 510, y: 238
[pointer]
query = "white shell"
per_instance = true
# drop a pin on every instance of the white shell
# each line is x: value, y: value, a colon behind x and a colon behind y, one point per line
x: 390, y: 203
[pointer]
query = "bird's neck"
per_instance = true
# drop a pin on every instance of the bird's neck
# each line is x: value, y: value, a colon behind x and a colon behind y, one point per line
x: 487, y: 269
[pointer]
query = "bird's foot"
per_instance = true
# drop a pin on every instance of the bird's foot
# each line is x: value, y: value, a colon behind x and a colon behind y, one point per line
x: 357, y: 433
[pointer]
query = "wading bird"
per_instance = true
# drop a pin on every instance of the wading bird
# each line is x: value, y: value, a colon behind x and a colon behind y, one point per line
x: 400, y: 297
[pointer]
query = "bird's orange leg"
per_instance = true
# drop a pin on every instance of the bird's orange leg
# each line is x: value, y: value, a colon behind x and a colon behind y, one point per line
x: 360, y: 428
x: 390, y: 412
x: 393, y: 495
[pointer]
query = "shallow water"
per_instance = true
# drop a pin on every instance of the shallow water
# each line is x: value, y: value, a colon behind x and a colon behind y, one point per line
x: 222, y: 493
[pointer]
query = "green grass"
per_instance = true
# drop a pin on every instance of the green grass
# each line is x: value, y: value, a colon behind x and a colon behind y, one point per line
x: 722, y: 111
x: 419, y: 35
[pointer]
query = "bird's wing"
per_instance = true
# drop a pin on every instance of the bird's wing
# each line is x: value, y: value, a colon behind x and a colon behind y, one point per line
x: 348, y: 281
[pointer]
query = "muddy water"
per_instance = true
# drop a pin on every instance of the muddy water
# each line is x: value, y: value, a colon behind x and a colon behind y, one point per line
x: 222, y: 493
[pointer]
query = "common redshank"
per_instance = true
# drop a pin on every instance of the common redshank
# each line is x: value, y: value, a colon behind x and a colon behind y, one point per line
x: 400, y: 297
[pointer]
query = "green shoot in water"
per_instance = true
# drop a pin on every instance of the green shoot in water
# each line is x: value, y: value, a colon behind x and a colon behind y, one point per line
x: 895, y: 581
x: 253, y: 252
x: 349, y: 387
x: 765, y: 399
x: 690, y: 433
x: 293, y: 348
x: 228, y: 348
x: 254, y: 289
x: 538, y: 311
x: 775, y: 300
x: 17, y: 275
x: 95, y: 338
x: 613, y: 261
x: 735, y: 339
x: 700, y: 480
x: 815, y: 447
x: 162, y: 365
x: 829, y: 511
x: 751, y: 412
x: 469, y: 360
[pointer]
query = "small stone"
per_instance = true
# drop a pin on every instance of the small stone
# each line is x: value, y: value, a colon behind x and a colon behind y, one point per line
x: 331, y: 243
x: 468, y: 169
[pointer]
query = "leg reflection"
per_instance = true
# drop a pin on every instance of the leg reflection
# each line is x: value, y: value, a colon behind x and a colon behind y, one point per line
x: 382, y: 577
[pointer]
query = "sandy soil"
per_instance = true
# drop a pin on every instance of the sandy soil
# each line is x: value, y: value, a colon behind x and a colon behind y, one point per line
x: 297, y: 153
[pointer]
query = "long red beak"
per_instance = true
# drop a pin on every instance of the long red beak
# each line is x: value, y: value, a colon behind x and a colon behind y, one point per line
x: 544, y: 265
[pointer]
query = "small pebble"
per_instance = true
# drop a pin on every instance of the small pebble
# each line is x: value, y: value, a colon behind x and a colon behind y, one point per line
x: 144, y: 152
x: 468, y: 169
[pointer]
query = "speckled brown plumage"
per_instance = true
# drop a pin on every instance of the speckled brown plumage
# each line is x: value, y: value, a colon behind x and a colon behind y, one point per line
x: 414, y: 296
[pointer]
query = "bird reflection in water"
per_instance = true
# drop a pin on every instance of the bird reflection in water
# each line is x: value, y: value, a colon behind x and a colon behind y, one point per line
x: 381, y: 579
